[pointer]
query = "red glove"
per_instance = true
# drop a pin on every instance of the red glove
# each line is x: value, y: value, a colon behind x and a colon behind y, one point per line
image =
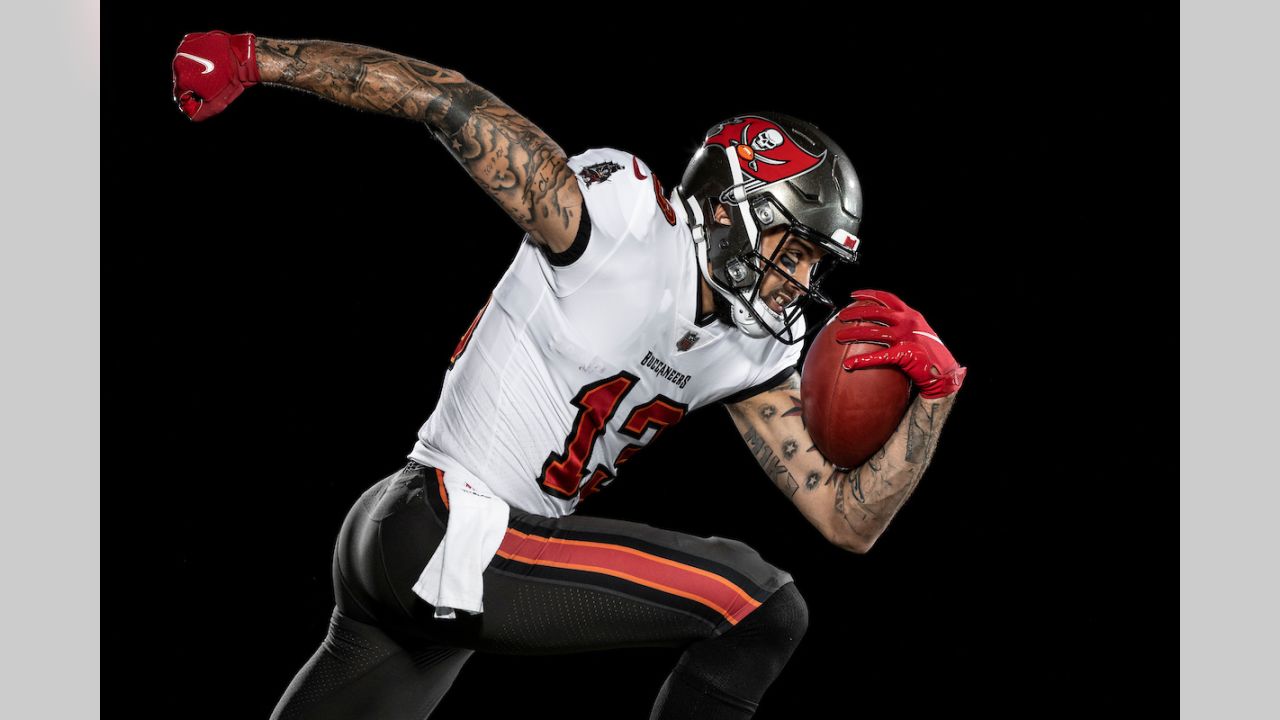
x: 912, y: 344
x: 210, y: 70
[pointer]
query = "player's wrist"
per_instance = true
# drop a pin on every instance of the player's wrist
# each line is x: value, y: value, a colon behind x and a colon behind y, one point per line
x: 244, y: 47
x: 270, y: 66
x: 944, y: 387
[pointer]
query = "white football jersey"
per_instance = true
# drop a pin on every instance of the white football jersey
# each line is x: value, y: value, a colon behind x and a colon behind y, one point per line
x: 581, y: 359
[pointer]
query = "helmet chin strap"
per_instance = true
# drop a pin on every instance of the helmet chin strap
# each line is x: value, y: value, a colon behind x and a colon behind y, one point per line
x: 747, y: 322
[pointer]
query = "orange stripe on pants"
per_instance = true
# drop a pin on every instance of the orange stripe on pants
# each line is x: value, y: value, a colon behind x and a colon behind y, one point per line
x: 632, y: 565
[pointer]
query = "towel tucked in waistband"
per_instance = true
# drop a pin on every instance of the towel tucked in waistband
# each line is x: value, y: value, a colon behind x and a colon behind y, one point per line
x: 454, y: 576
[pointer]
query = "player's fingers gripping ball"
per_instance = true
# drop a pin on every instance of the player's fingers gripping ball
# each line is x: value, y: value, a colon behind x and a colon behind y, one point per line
x: 211, y: 69
x: 850, y: 415
x: 909, y: 342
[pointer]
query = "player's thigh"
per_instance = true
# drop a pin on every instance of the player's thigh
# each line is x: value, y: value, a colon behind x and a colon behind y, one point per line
x: 555, y: 585
x: 583, y: 583
x: 359, y: 671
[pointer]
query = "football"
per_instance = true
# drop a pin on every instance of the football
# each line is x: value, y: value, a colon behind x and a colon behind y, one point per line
x: 849, y: 414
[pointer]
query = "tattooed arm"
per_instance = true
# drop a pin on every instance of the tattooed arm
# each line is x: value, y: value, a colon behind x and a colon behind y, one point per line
x: 851, y: 508
x: 515, y: 162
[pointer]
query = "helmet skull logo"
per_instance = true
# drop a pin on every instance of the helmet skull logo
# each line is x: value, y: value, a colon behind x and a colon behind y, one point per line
x: 763, y: 149
x: 767, y: 140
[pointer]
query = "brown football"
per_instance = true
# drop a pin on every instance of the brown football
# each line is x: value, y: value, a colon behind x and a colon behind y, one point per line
x: 849, y: 414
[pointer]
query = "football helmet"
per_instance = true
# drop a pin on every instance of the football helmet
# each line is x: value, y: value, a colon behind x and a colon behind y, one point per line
x: 769, y: 170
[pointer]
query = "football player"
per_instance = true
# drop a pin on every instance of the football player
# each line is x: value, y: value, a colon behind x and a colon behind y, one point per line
x: 560, y: 380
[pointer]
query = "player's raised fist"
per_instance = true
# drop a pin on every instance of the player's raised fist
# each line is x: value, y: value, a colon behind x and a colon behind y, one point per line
x: 210, y: 70
x: 910, y: 343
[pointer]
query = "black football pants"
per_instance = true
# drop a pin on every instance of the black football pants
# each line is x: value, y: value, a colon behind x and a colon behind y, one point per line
x: 556, y: 585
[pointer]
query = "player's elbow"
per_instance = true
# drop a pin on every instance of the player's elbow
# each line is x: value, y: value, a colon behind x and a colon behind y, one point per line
x: 853, y: 543
x: 859, y: 547
x: 845, y: 543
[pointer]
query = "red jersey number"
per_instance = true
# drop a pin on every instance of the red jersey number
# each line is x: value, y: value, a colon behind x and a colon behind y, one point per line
x: 597, y: 403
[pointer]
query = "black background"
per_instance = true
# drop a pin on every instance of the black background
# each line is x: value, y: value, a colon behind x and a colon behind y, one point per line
x: 287, y: 281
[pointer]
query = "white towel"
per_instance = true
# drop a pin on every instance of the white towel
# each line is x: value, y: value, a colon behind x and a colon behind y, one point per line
x: 454, y: 577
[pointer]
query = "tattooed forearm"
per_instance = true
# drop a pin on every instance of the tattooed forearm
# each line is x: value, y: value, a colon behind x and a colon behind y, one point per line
x: 772, y: 466
x: 921, y: 439
x: 883, y: 483
x: 512, y: 159
x: 867, y: 516
x: 366, y: 78
x: 850, y: 507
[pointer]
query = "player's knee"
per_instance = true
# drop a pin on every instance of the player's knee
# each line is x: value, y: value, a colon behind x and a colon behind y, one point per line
x: 785, y: 618
x: 773, y: 629
x: 744, y: 660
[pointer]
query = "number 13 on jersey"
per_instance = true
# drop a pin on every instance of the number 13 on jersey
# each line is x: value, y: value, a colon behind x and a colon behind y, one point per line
x: 597, y: 403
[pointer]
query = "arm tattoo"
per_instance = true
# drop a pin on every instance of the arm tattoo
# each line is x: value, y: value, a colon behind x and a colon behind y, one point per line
x: 920, y: 436
x: 865, y: 499
x: 855, y: 485
x: 882, y: 484
x: 796, y: 409
x: 772, y: 466
x: 515, y: 162
x: 364, y: 78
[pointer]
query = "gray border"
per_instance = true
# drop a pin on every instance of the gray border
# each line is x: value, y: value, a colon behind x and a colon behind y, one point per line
x: 1230, y: 609
x: 49, y: 387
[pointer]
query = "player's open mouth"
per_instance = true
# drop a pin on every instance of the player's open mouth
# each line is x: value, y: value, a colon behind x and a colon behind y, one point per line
x: 778, y: 301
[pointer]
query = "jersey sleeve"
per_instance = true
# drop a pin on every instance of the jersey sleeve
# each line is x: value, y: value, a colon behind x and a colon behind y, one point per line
x: 780, y: 361
x: 621, y: 203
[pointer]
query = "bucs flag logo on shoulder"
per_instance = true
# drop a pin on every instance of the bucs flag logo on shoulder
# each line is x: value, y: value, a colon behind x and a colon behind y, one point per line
x: 765, y: 152
x: 599, y: 172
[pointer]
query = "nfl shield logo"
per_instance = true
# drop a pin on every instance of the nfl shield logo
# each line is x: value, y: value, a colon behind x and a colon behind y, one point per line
x: 687, y: 341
